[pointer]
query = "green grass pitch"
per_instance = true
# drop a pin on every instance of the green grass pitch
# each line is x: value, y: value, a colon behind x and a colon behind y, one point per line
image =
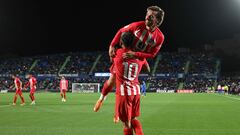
x: 161, y: 114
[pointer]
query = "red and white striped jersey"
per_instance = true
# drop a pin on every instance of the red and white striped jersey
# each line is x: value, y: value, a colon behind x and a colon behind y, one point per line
x: 146, y: 44
x: 33, y: 83
x: 18, y: 83
x: 127, y: 71
x: 127, y: 88
x: 63, y: 84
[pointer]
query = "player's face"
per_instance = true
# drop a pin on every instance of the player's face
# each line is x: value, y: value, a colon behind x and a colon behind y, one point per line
x: 150, y: 19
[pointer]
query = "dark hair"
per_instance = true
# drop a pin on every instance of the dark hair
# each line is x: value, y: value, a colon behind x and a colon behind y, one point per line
x: 159, y: 15
x: 30, y: 73
x: 127, y: 39
x: 13, y: 74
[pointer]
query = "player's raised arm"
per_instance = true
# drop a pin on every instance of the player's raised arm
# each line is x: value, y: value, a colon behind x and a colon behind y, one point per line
x: 146, y: 66
x: 117, y: 37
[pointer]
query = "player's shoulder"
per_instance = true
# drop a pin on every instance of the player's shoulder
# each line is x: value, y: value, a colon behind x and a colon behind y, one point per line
x: 159, y: 32
x: 135, y: 24
x: 138, y: 23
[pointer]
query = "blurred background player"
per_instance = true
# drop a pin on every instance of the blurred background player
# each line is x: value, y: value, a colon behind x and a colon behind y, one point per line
x: 18, y: 87
x: 147, y: 42
x: 63, y: 88
x: 32, y: 82
x: 143, y: 89
x: 127, y: 106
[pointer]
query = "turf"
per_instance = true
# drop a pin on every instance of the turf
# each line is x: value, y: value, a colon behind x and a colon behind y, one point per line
x: 162, y: 114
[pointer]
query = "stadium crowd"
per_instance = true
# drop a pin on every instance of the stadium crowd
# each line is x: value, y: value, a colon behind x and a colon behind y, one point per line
x: 172, y: 62
x: 170, y: 65
x: 80, y: 63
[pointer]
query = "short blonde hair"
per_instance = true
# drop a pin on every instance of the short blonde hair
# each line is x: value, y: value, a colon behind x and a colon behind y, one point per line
x: 159, y: 15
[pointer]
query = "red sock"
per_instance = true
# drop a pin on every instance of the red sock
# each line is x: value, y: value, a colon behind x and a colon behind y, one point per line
x: 22, y: 99
x: 64, y: 95
x: 116, y: 106
x: 106, y: 88
x: 137, y: 127
x: 33, y: 98
x: 128, y: 131
x: 15, y: 99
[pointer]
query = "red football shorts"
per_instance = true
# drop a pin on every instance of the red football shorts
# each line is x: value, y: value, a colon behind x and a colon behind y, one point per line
x: 18, y: 92
x: 63, y: 91
x: 32, y: 91
x: 127, y: 107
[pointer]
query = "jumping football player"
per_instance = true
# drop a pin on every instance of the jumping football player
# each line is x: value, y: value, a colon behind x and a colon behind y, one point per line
x: 147, y: 42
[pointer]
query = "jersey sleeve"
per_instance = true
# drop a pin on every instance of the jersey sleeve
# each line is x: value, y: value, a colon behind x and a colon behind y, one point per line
x: 117, y: 37
x: 147, y: 55
x: 27, y: 84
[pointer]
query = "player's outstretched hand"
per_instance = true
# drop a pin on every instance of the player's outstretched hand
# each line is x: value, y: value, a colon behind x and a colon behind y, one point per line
x: 128, y: 55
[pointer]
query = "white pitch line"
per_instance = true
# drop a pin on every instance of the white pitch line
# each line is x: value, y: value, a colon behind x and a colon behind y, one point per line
x: 227, y: 97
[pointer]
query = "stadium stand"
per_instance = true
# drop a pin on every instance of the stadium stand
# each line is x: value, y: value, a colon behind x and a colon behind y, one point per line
x: 169, y: 71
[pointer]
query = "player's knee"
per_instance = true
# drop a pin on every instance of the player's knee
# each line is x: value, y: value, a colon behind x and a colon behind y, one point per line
x: 127, y: 124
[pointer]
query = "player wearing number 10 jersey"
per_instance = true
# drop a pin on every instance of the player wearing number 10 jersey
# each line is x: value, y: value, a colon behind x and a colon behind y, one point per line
x: 127, y: 106
x: 147, y: 42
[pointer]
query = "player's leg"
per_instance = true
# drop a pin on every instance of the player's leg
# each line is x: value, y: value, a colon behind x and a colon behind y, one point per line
x: 127, y: 129
x: 22, y: 98
x: 107, y: 87
x: 116, y: 113
x: 145, y: 92
x: 124, y: 112
x: 61, y: 93
x: 15, y: 99
x: 64, y: 95
x: 136, y: 125
x: 32, y: 97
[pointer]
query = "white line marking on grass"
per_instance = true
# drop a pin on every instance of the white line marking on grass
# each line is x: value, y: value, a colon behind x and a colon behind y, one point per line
x: 226, y: 96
